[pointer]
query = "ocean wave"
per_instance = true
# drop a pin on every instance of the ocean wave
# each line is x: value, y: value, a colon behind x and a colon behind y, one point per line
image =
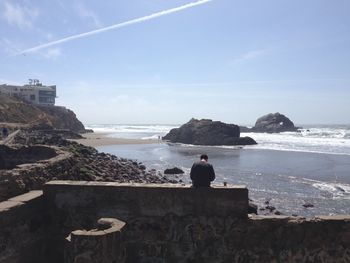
x: 314, y: 140
x: 334, y: 190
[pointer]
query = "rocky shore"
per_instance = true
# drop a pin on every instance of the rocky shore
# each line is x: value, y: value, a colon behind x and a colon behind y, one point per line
x: 32, y: 166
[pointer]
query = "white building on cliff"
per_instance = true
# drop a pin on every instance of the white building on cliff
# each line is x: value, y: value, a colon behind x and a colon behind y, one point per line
x: 34, y: 92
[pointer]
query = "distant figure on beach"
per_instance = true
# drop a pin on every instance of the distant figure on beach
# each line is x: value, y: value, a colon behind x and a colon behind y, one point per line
x: 5, y: 132
x: 202, y: 172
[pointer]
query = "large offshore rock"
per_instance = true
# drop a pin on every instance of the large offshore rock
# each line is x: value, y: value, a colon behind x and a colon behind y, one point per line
x: 274, y: 123
x: 207, y: 132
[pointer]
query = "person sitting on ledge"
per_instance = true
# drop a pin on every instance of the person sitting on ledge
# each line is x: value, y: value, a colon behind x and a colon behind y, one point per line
x: 202, y: 172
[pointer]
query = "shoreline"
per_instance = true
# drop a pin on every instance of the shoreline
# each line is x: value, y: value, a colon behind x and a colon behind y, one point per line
x: 102, y: 139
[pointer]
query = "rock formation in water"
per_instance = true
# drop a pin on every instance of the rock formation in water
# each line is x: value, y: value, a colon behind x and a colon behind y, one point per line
x: 273, y: 123
x: 208, y: 132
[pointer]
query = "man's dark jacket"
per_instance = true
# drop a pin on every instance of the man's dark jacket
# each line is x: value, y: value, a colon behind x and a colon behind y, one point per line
x: 202, y: 173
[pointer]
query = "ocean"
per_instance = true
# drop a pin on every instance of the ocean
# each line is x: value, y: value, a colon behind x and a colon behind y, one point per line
x: 287, y: 169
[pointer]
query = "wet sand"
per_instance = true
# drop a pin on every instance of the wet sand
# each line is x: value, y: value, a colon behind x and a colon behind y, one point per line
x: 102, y: 139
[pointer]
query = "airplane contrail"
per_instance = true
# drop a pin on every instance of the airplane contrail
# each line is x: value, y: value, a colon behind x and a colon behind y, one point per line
x: 116, y: 26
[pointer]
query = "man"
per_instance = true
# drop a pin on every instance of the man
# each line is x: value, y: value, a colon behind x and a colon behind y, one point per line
x: 5, y: 132
x: 202, y: 172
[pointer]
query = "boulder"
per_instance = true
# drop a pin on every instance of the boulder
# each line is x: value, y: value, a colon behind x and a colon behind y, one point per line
x: 252, y: 208
x: 245, y: 141
x: 274, y: 123
x: 174, y: 170
x: 206, y: 132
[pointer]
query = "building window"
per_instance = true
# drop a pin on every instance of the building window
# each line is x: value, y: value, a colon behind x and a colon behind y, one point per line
x: 32, y: 97
x: 48, y: 100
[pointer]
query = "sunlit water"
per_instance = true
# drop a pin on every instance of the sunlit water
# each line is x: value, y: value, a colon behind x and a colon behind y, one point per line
x: 288, y: 169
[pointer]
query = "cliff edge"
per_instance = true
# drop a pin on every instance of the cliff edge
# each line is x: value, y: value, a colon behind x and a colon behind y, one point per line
x: 13, y: 110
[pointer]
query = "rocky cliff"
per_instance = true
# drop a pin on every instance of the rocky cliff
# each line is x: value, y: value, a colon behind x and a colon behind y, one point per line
x: 208, y: 132
x: 13, y: 110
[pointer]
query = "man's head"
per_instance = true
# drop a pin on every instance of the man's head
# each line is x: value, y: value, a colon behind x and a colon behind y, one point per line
x: 204, y: 157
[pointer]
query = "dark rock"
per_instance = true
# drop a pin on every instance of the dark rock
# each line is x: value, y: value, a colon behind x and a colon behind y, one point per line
x: 278, y: 213
x: 206, y: 132
x: 274, y: 123
x: 252, y: 208
x: 308, y: 205
x: 270, y: 208
x: 245, y: 129
x: 245, y: 141
x: 174, y: 170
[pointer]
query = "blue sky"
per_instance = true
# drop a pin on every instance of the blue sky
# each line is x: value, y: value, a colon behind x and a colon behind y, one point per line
x: 222, y: 59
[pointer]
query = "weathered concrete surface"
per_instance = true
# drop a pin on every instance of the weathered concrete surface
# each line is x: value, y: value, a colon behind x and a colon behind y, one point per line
x: 127, y: 201
x: 23, y: 228
x: 153, y: 213
x: 164, y: 223
x: 31, y: 176
x: 169, y: 224
x: 101, y: 245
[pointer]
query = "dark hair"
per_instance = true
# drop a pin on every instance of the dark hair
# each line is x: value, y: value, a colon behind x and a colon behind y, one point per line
x: 204, y: 156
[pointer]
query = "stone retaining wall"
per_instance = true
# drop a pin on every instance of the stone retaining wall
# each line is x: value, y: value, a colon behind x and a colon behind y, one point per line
x: 23, y: 225
x: 163, y: 224
x: 182, y: 224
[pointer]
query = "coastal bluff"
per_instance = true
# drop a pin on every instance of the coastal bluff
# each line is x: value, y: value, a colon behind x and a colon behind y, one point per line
x: 208, y: 132
x: 101, y: 222
x: 16, y: 113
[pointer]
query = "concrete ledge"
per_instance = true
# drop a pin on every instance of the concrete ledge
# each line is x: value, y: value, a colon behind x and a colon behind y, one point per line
x: 137, y: 200
x: 22, y: 206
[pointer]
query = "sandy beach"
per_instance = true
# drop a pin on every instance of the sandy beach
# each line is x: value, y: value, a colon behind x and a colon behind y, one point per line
x: 102, y: 139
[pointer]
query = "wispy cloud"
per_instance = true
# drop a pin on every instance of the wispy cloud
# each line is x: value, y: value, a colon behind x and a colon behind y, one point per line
x: 116, y: 26
x: 250, y: 55
x: 89, y: 14
x: 52, y: 53
x: 19, y: 15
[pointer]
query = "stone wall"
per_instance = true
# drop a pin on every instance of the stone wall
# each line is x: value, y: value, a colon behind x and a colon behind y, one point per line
x: 23, y: 225
x: 164, y: 223
x: 55, y: 164
x: 158, y: 218
x: 182, y: 224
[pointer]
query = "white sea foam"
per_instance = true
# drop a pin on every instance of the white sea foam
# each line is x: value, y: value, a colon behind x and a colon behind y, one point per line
x: 330, y: 140
x: 336, y: 190
x: 320, y: 139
